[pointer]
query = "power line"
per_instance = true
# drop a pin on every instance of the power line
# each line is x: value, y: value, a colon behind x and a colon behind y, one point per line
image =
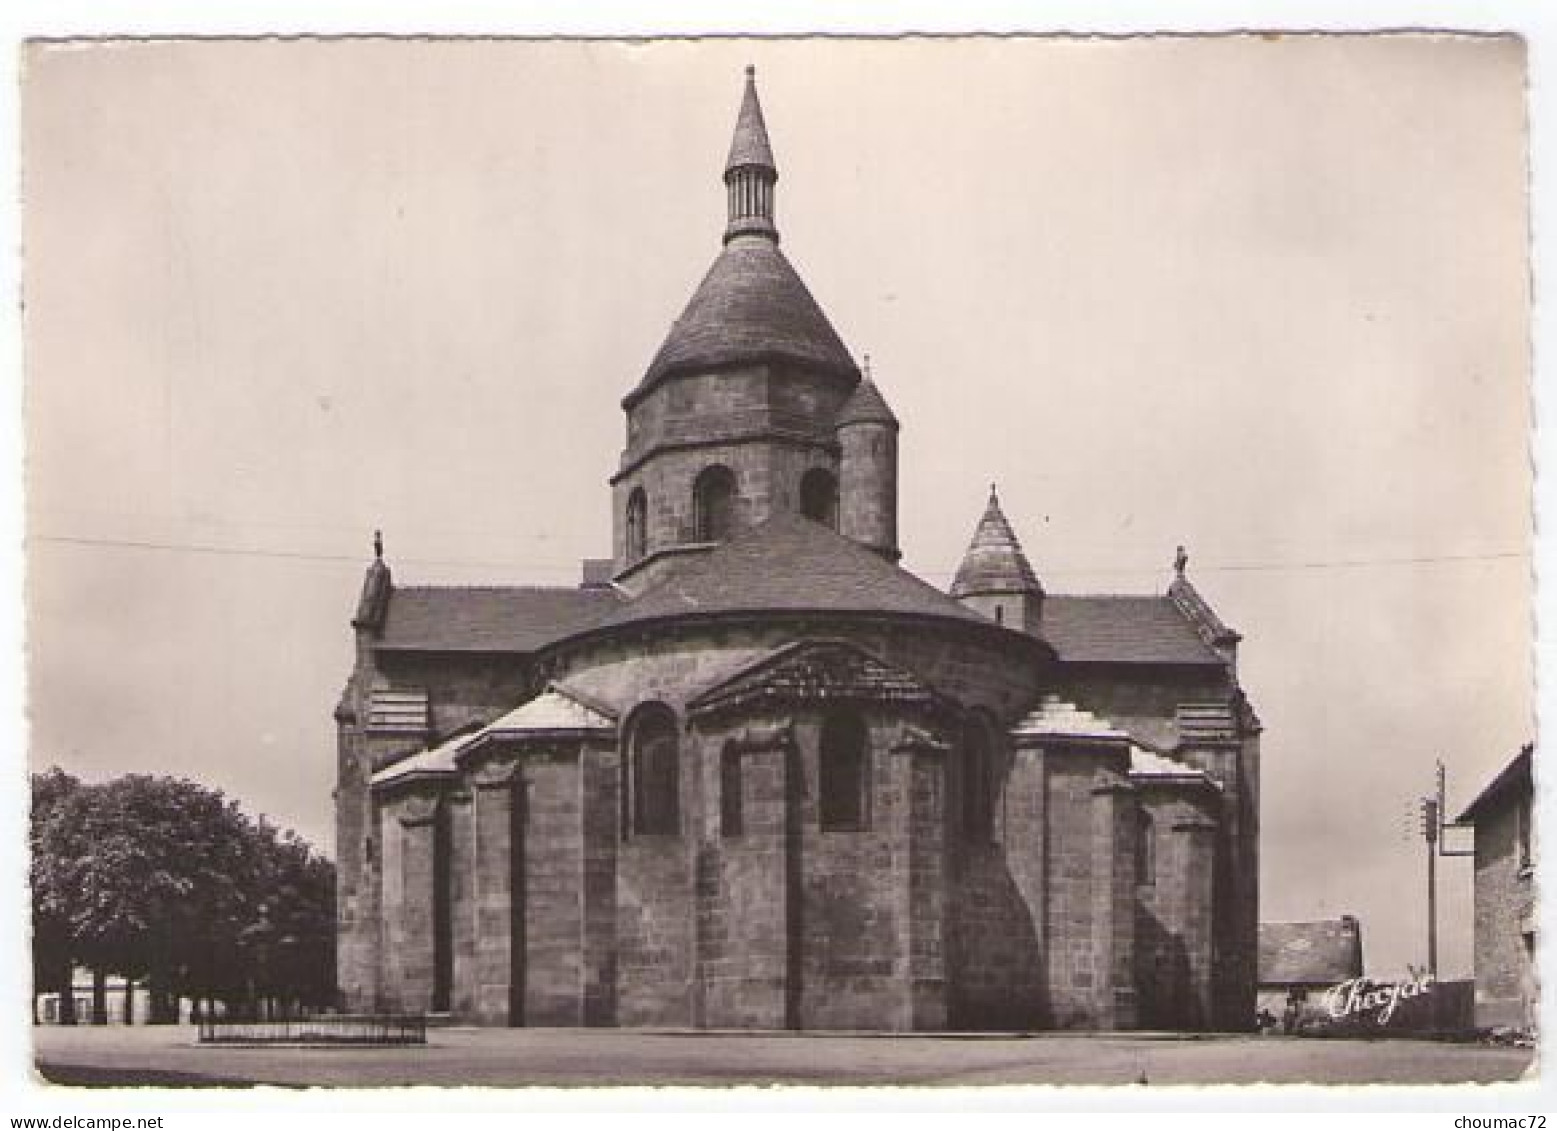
x: 299, y: 555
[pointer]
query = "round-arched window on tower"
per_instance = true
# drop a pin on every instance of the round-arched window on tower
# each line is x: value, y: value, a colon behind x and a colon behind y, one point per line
x: 819, y: 497
x: 637, y: 525
x: 713, y: 504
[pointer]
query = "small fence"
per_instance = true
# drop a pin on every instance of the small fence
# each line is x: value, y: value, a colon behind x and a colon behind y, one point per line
x: 324, y: 1029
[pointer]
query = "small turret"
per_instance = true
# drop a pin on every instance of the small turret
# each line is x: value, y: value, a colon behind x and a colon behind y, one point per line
x: 995, y: 578
x: 867, y: 469
x: 373, y: 605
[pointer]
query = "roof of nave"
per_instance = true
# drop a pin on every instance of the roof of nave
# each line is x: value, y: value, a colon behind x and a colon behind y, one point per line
x: 1314, y: 953
x: 790, y: 564
x: 512, y: 619
x: 1123, y: 629
x: 751, y: 307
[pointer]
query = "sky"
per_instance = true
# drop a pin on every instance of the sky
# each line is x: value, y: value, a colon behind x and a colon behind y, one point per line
x: 1267, y: 297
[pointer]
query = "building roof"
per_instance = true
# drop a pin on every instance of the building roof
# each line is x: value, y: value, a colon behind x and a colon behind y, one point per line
x: 751, y: 307
x: 1513, y: 780
x: 558, y: 710
x: 1123, y: 629
x: 865, y: 405
x: 488, y: 619
x: 1058, y: 718
x: 1152, y: 766
x: 994, y: 562
x: 435, y: 761
x: 750, y: 145
x: 790, y: 564
x: 1310, y: 954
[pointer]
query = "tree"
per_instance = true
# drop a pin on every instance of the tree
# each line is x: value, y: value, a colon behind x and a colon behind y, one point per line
x: 53, y: 962
x: 166, y: 880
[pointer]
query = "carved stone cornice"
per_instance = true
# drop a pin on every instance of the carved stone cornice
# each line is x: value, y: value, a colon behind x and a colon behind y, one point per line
x: 417, y: 811
x: 493, y: 775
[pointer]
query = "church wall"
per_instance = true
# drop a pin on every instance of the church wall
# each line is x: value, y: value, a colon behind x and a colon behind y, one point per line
x: 1144, y: 700
x: 600, y: 784
x: 461, y: 687
x: 357, y: 896
x: 853, y: 933
x: 462, y: 903
x: 746, y: 912
x: 996, y: 957
x: 670, y: 666
x: 655, y: 914
x: 1090, y: 905
x: 928, y: 899
x: 1174, y: 910
x: 553, y: 907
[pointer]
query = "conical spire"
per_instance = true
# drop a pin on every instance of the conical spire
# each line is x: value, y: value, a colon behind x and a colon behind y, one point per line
x: 866, y: 405
x: 994, y: 562
x: 749, y: 172
x: 750, y: 145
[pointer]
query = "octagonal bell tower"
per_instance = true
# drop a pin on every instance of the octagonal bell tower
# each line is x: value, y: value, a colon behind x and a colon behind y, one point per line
x: 738, y: 415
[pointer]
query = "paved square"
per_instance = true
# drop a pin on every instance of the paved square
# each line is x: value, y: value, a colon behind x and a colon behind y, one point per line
x: 574, y: 1057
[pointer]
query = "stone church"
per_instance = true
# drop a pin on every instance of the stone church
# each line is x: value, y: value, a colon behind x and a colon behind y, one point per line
x: 751, y: 773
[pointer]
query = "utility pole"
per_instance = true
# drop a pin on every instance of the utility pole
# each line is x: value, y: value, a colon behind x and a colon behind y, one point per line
x: 1430, y: 815
x: 1436, y: 832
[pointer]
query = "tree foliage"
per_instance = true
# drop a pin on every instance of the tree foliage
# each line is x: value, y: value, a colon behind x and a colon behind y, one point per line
x: 166, y: 880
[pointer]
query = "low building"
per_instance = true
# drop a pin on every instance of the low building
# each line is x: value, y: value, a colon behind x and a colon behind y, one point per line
x: 124, y: 1002
x: 1506, y: 989
x: 1298, y: 962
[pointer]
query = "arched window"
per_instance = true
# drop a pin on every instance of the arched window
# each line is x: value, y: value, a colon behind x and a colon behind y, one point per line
x: 842, y: 771
x: 713, y: 504
x: 819, y: 497
x: 1145, y: 848
x: 655, y: 771
x: 978, y: 781
x: 637, y: 525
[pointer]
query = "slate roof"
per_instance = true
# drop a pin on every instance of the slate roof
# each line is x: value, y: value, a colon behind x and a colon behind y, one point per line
x: 750, y: 145
x: 791, y: 564
x: 994, y: 562
x: 513, y: 619
x: 555, y: 709
x: 1059, y: 718
x: 1319, y: 953
x: 865, y: 405
x: 435, y: 761
x: 751, y: 307
x: 1149, y: 764
x: 1515, y: 778
x: 1122, y: 629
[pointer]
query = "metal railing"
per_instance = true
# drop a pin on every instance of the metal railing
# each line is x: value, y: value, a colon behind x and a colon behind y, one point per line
x: 323, y: 1029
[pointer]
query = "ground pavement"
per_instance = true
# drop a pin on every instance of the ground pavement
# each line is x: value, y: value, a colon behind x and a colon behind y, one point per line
x: 170, y: 1056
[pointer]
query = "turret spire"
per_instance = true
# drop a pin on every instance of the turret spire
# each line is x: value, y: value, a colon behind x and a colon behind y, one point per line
x: 995, y: 577
x: 749, y: 172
